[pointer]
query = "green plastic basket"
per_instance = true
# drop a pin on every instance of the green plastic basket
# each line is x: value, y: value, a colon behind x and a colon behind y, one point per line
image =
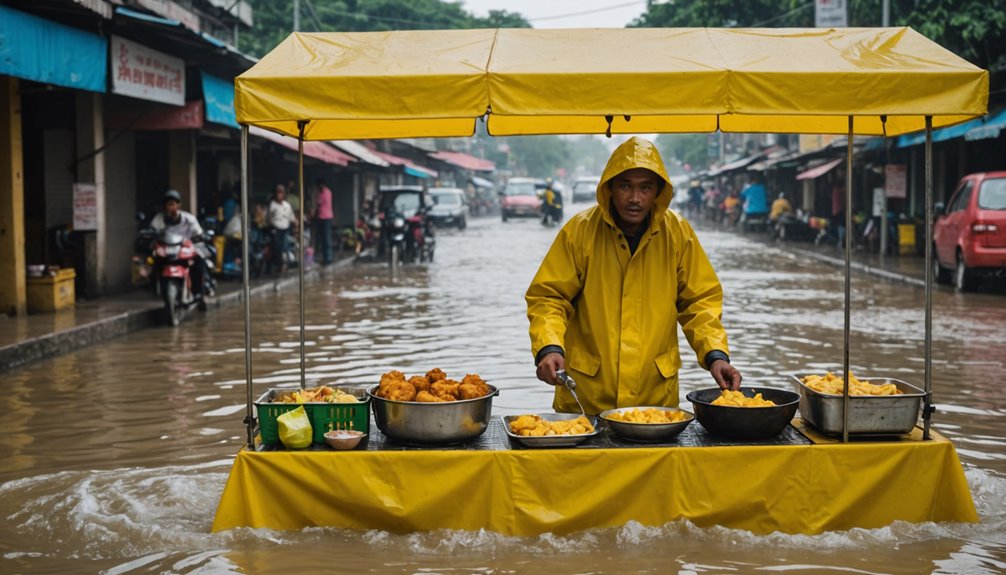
x: 324, y: 416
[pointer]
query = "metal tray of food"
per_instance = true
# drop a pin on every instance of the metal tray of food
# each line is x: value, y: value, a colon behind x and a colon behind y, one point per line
x: 551, y: 440
x: 868, y: 414
x: 421, y: 423
x: 645, y: 431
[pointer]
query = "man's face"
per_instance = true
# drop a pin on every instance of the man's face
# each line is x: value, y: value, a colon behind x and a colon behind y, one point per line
x: 634, y: 192
x: 171, y: 208
x: 280, y: 193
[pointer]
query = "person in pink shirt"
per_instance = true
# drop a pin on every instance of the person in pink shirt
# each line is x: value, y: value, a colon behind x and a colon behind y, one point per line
x: 323, y: 221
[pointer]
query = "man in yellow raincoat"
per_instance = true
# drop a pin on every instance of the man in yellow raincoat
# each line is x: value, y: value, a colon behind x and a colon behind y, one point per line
x: 618, y: 279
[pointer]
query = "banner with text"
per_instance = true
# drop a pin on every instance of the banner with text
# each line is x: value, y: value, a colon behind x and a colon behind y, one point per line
x: 140, y: 72
x: 830, y: 14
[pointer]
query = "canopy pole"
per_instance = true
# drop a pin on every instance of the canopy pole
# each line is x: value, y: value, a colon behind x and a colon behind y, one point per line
x: 928, y: 403
x: 301, y: 249
x: 246, y: 280
x: 848, y: 285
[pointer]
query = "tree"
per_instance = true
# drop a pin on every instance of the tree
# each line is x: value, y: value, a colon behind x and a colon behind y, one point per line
x: 274, y: 19
x: 536, y: 156
x: 973, y: 29
x: 691, y: 149
x: 587, y: 156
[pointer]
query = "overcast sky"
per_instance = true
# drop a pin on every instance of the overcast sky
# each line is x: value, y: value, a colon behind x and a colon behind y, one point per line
x: 564, y: 13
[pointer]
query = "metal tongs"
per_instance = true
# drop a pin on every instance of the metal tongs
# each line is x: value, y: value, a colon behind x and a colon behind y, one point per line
x: 571, y: 386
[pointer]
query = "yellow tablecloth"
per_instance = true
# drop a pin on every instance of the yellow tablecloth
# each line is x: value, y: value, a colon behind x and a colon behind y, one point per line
x: 793, y: 488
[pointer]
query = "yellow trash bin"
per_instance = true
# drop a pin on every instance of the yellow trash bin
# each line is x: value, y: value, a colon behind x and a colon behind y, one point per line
x: 906, y: 239
x: 51, y: 292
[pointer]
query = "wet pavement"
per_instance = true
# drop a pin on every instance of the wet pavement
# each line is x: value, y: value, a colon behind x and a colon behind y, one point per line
x: 115, y: 454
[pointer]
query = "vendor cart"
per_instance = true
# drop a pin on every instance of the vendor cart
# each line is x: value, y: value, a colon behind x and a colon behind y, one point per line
x: 408, y: 84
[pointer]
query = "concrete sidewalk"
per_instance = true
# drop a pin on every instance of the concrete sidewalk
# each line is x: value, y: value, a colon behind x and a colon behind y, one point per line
x: 29, y: 338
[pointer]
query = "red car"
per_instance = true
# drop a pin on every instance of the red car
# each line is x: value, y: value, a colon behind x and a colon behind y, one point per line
x: 969, y: 235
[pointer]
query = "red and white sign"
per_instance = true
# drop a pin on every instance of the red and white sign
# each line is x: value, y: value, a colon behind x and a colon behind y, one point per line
x: 140, y: 72
x: 895, y: 181
x: 830, y: 14
x: 85, y: 207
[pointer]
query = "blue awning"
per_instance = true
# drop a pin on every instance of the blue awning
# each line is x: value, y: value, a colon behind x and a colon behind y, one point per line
x: 942, y: 134
x: 409, y: 170
x: 42, y: 51
x: 990, y: 128
x: 219, y: 97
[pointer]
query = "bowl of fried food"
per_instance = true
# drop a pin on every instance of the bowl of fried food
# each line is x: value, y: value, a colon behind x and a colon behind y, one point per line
x: 749, y: 413
x: 550, y: 429
x: 344, y: 439
x: 647, y: 423
x: 432, y: 409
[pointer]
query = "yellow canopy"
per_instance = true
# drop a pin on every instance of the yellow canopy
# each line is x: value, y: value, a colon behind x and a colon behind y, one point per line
x: 439, y: 82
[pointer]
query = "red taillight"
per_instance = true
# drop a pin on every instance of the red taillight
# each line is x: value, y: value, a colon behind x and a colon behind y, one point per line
x: 980, y: 228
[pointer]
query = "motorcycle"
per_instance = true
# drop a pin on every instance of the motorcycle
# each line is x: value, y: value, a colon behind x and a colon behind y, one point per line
x: 421, y: 239
x: 173, y: 257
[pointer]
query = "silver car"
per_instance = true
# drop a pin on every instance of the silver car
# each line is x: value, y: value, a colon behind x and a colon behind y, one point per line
x: 450, y: 207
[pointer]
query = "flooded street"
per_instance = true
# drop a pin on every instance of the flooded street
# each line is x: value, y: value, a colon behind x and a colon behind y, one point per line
x: 114, y: 456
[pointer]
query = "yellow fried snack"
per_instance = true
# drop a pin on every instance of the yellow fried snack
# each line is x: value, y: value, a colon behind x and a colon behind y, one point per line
x: 651, y: 415
x: 317, y: 395
x: 738, y: 399
x: 832, y: 384
x: 535, y: 426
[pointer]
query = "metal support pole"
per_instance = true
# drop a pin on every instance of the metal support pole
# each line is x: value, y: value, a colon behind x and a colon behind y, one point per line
x: 927, y: 408
x: 246, y: 280
x: 848, y: 285
x: 300, y: 246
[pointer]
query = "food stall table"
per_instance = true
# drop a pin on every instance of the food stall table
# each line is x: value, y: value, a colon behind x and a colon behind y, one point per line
x: 799, y: 482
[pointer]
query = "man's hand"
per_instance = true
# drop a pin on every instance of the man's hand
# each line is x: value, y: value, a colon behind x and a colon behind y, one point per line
x: 726, y: 375
x: 550, y: 364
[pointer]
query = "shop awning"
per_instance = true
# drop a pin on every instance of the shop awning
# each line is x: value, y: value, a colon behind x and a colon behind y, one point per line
x: 362, y: 152
x: 411, y: 168
x: 317, y: 150
x: 39, y: 50
x: 427, y: 83
x: 219, y: 97
x: 989, y: 129
x: 465, y: 161
x: 734, y: 165
x: 482, y: 182
x: 819, y: 171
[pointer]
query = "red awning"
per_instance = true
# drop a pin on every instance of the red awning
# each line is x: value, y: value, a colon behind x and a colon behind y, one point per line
x: 462, y: 160
x: 819, y: 170
x: 317, y: 150
x: 137, y: 115
x: 407, y: 164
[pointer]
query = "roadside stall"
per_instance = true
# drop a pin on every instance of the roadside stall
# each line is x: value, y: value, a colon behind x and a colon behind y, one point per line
x: 454, y: 466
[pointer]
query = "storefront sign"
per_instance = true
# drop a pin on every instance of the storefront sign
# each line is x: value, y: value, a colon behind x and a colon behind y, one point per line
x: 85, y: 207
x: 830, y: 14
x: 140, y: 72
x: 895, y: 176
x: 879, y: 202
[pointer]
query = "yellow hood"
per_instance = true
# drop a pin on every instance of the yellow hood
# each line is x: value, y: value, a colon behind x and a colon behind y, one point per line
x: 634, y: 153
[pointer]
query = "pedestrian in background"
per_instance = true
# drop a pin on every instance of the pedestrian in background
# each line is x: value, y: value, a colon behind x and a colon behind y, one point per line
x: 323, y: 221
x: 281, y: 217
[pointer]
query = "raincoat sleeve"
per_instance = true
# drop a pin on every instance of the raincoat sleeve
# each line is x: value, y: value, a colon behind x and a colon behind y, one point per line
x: 700, y: 300
x: 551, y: 293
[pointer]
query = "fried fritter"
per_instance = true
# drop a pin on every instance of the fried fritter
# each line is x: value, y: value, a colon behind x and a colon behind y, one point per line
x: 419, y: 382
x: 447, y: 387
x: 472, y: 387
x: 400, y: 391
x: 428, y: 397
x: 436, y: 374
x: 387, y: 379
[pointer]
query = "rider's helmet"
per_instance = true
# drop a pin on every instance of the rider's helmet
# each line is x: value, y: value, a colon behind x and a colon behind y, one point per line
x: 172, y: 195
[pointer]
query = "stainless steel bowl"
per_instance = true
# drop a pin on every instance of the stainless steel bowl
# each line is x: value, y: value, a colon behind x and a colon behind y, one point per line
x: 645, y: 431
x: 432, y: 423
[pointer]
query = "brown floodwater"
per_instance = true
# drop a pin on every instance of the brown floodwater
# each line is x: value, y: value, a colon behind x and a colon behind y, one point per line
x: 114, y: 456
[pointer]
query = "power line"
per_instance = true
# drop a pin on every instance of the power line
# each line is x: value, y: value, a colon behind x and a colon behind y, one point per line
x: 584, y: 12
x: 779, y: 17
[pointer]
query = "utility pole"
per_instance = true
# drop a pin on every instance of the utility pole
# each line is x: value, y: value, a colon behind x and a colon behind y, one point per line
x: 296, y: 15
x: 886, y: 18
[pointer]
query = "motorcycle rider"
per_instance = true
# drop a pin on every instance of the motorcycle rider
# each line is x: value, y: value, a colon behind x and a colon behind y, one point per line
x: 551, y: 204
x: 177, y: 221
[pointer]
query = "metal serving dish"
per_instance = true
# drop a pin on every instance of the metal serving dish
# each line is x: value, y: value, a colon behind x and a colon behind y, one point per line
x: 645, y: 431
x: 868, y: 414
x: 745, y: 422
x: 551, y: 440
x: 432, y: 423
